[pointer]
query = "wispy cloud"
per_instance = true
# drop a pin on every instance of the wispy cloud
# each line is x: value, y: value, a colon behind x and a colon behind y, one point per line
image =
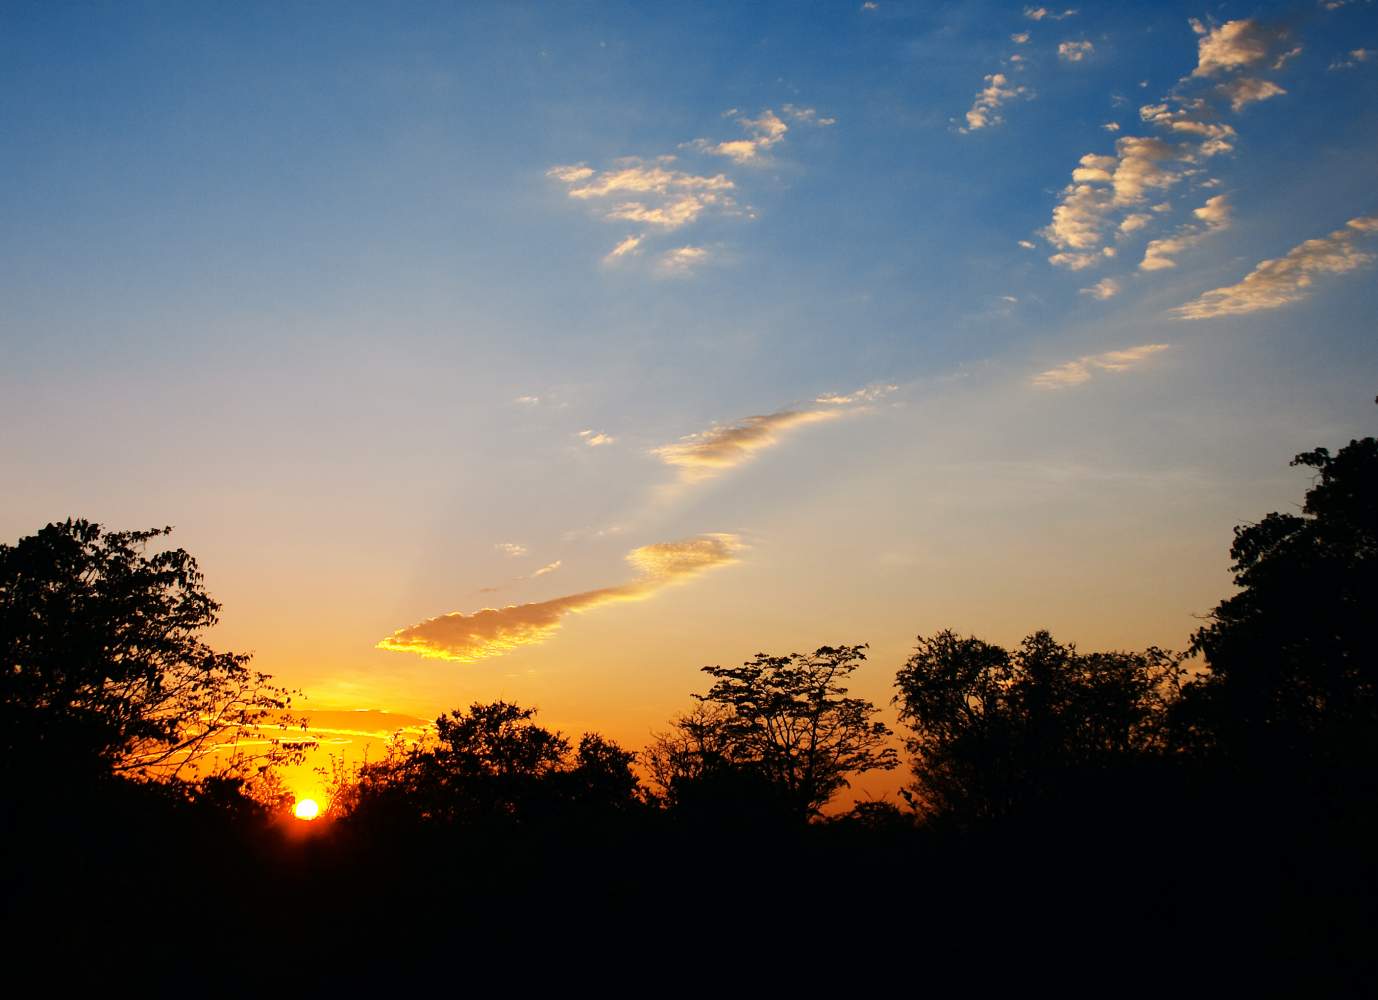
x: 1214, y: 216
x: 681, y: 260
x: 1276, y: 283
x: 1084, y: 368
x: 1043, y: 13
x: 627, y: 246
x: 547, y: 568
x: 467, y: 638
x: 512, y: 549
x: 1106, y: 288
x: 596, y: 439
x: 1353, y: 58
x: 706, y: 454
x: 985, y: 110
x: 1246, y: 90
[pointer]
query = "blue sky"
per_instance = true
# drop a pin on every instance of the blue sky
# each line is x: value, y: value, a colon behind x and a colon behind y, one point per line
x: 333, y: 289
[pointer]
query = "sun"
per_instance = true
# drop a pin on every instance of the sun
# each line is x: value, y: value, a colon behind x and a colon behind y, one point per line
x: 306, y: 809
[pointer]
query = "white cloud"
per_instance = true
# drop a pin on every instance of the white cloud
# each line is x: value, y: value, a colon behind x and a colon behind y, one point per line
x: 1245, y: 90
x: 1276, y: 283
x: 1106, y: 288
x: 1234, y: 45
x: 1214, y: 216
x: 807, y: 116
x: 1028, y: 244
x: 985, y: 110
x: 1074, y: 51
x: 596, y: 439
x: 1084, y: 368
x: 512, y: 549
x: 1111, y: 126
x: 764, y: 132
x: 528, y: 400
x: 1021, y: 38
x: 547, y: 569
x: 1133, y: 222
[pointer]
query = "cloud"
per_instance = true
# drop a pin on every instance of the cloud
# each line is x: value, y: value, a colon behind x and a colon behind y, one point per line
x: 1214, y: 216
x: 1082, y: 369
x: 985, y: 111
x: 682, y: 260
x: 467, y: 638
x: 869, y: 394
x: 627, y: 246
x: 1020, y: 38
x: 1027, y: 244
x: 1111, y: 126
x: 705, y: 454
x: 1039, y: 13
x: 765, y: 131
x: 1355, y: 57
x: 1248, y: 90
x: 1106, y: 288
x: 528, y: 400
x: 870, y: 5
x: 548, y: 568
x: 596, y: 439
x: 1276, y: 283
x: 1074, y: 51
x: 512, y: 549
x: 1234, y: 45
x: 1133, y: 223
x: 1189, y: 119
x: 667, y: 198
x: 807, y: 116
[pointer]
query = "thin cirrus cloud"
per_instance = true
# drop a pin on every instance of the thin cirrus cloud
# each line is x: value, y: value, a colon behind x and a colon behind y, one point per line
x: 1083, y: 369
x: 1276, y: 283
x: 1042, y: 13
x: 467, y: 638
x: 709, y: 453
x: 681, y: 260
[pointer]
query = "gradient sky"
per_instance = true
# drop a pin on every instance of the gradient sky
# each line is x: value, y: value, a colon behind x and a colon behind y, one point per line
x: 671, y: 334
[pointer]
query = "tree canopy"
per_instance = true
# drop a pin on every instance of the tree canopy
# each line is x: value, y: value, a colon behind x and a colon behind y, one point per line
x: 1293, y: 656
x: 993, y: 731
x: 784, y: 722
x: 104, y: 671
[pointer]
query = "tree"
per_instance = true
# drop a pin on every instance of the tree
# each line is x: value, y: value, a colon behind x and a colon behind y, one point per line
x: 994, y: 732
x: 781, y: 721
x: 1292, y: 658
x: 490, y: 766
x: 104, y: 671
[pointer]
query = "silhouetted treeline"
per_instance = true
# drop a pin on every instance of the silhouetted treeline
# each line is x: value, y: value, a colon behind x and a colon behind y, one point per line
x: 1110, y: 819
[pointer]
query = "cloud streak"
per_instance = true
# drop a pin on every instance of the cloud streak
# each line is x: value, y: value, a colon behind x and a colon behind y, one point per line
x: 708, y: 453
x: 1276, y: 283
x: 1081, y: 370
x: 468, y: 638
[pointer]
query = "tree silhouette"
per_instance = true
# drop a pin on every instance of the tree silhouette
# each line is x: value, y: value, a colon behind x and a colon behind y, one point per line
x: 104, y: 670
x: 490, y: 766
x: 777, y: 724
x: 1292, y: 658
x: 994, y: 732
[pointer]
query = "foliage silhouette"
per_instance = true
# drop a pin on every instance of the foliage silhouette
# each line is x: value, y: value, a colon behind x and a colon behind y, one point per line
x: 490, y: 767
x: 1292, y: 658
x: 105, y: 672
x: 994, y: 733
x: 778, y: 730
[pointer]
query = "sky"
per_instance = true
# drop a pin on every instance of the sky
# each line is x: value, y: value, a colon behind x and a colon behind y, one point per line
x: 550, y: 352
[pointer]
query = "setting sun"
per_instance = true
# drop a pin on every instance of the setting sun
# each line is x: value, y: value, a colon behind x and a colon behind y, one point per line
x: 306, y: 809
